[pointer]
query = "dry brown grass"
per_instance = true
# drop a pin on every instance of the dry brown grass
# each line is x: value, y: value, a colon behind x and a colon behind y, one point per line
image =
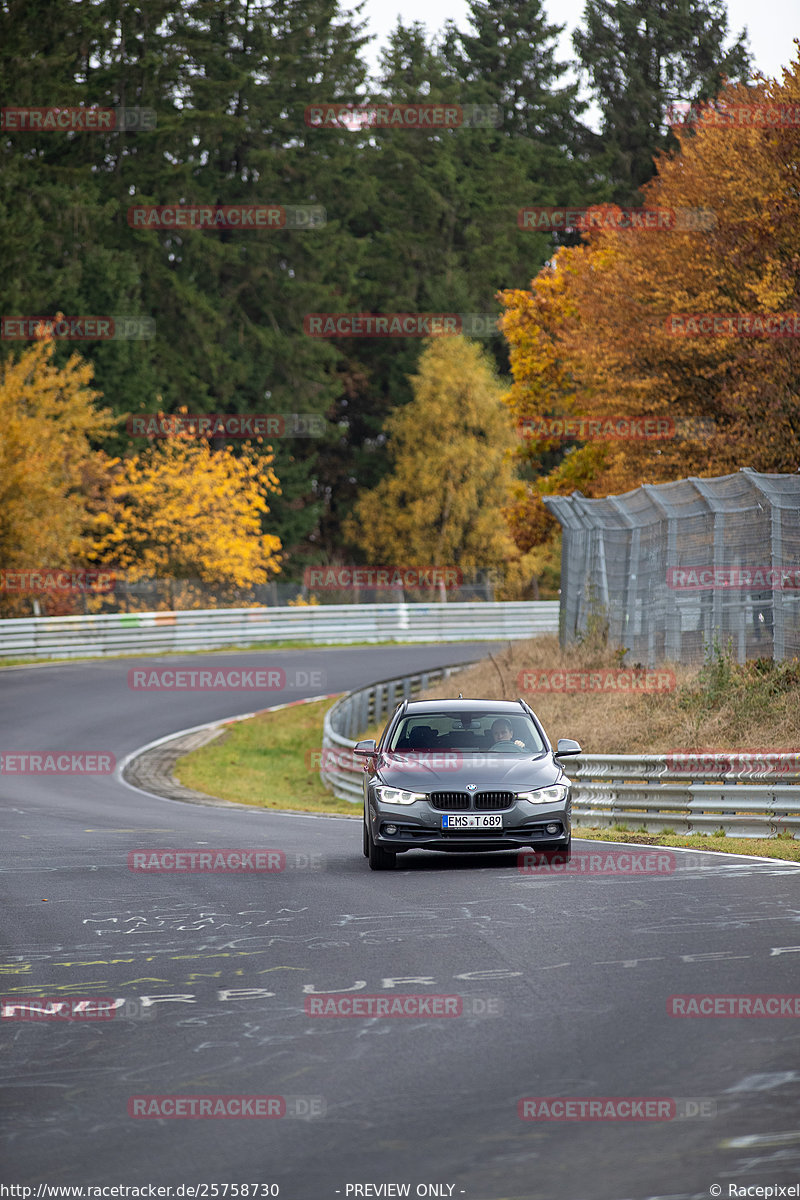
x: 694, y: 715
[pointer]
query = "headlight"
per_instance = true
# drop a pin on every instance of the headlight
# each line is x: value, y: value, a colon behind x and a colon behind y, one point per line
x: 391, y: 795
x: 548, y: 795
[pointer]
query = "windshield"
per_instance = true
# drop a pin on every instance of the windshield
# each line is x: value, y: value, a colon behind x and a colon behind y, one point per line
x: 479, y: 731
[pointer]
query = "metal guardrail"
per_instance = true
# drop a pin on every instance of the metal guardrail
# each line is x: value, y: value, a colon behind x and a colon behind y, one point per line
x: 648, y: 792
x: 210, y: 629
x: 644, y: 792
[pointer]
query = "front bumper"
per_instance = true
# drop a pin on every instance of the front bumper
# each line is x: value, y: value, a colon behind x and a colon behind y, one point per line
x: 420, y: 825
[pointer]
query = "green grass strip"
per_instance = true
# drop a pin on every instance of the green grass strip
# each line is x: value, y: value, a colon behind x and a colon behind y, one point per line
x: 270, y: 761
x: 782, y: 846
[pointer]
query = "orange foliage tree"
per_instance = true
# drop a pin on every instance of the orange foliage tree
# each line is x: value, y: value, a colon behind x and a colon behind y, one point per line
x: 593, y: 336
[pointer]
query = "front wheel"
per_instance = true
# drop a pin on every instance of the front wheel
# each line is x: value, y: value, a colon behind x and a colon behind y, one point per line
x: 366, y: 838
x: 379, y: 859
x: 558, y: 854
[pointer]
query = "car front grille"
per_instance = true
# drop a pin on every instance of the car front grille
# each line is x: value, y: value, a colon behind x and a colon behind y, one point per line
x: 494, y: 800
x: 483, y: 801
x: 449, y: 801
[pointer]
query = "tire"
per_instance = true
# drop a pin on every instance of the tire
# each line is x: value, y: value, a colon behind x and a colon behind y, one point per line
x: 366, y: 837
x: 379, y: 859
x: 558, y: 854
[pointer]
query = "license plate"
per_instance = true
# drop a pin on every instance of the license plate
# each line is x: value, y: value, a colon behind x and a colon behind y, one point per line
x: 472, y: 821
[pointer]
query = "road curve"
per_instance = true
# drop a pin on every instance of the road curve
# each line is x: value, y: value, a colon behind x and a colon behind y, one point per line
x: 563, y: 981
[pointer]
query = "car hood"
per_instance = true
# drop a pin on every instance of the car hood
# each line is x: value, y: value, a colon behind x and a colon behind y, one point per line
x: 501, y: 772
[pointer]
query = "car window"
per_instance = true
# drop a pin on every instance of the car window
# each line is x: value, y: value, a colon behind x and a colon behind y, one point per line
x: 469, y: 730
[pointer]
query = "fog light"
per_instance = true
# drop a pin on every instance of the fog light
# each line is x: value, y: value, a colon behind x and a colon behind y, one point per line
x: 552, y: 828
x: 390, y: 829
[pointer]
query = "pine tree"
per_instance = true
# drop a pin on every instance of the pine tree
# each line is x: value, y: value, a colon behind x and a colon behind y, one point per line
x: 641, y: 56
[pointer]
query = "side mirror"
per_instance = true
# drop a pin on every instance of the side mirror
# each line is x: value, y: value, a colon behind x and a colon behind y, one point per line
x: 365, y: 748
x: 567, y: 746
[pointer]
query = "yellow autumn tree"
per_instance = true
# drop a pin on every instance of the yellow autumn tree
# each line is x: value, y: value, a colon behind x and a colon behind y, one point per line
x: 451, y: 445
x: 48, y: 417
x: 181, y: 511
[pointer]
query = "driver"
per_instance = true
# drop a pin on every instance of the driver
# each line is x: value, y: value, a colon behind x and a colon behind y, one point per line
x: 502, y: 732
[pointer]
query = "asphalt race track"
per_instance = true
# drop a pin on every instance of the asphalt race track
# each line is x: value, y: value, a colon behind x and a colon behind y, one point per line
x: 563, y: 982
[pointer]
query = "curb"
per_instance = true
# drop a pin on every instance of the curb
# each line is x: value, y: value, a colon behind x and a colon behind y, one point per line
x: 149, y: 769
